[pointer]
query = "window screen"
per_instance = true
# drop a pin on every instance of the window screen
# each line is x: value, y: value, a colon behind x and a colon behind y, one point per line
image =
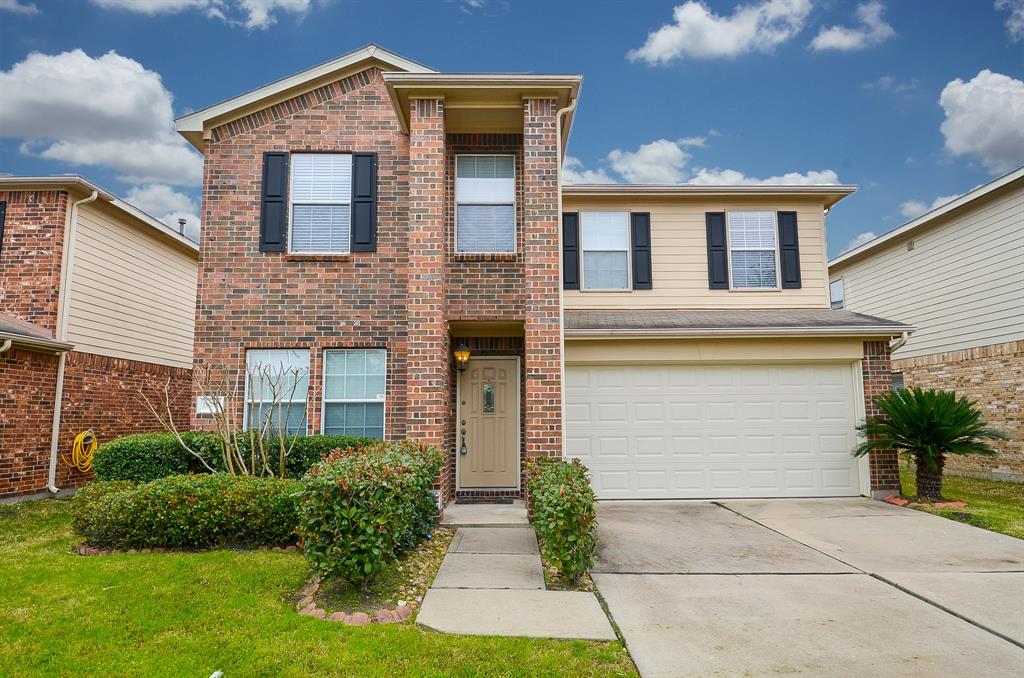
x: 605, y: 239
x: 485, y: 213
x: 321, y: 196
x: 354, y: 392
x: 752, y: 244
x: 277, y: 381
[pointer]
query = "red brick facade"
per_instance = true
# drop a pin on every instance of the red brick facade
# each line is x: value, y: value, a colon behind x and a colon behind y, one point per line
x: 992, y: 376
x: 403, y: 296
x: 877, y: 370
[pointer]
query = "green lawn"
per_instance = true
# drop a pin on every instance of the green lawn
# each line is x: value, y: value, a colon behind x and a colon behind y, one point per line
x: 192, y: 614
x: 991, y: 504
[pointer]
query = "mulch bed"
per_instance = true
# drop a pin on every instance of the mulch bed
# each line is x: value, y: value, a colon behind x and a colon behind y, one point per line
x: 914, y: 501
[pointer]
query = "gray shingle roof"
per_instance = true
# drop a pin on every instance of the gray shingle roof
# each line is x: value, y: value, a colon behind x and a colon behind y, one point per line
x: 736, y: 322
x: 25, y: 333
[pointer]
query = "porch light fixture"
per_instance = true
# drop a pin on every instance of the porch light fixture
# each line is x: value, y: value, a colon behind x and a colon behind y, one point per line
x: 461, y: 356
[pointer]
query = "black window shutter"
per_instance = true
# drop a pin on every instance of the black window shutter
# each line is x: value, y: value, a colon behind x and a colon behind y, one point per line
x: 274, y: 211
x: 789, y: 251
x: 718, y: 254
x: 571, y: 250
x: 364, y: 202
x: 3, y: 217
x: 640, y: 223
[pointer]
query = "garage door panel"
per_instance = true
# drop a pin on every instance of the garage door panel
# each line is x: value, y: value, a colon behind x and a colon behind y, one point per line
x: 714, y: 430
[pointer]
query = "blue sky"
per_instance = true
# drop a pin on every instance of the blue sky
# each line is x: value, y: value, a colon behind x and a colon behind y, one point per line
x: 912, y: 100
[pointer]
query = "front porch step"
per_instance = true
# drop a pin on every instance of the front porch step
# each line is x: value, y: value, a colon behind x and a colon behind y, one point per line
x: 485, y: 515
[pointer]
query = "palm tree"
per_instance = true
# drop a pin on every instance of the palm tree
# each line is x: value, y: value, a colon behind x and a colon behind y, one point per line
x: 927, y: 425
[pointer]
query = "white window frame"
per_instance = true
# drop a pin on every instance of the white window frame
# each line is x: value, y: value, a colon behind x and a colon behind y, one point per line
x: 325, y: 400
x: 305, y: 398
x: 515, y: 218
x: 292, y: 203
x: 775, y: 239
x: 842, y: 298
x: 628, y: 250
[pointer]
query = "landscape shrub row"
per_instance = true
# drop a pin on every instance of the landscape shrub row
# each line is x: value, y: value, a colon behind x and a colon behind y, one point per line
x: 190, y: 511
x: 149, y: 456
x: 363, y: 507
x: 564, y: 513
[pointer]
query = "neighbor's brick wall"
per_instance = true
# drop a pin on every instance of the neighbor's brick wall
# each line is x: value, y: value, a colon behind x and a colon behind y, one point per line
x: 30, y: 255
x: 249, y: 299
x: 542, y: 259
x: 877, y: 370
x: 993, y: 376
x: 100, y: 393
x: 29, y: 382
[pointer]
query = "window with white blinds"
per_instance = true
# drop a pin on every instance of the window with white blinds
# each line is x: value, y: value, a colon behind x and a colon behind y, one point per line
x: 354, y: 392
x: 605, y: 240
x: 321, y: 197
x: 485, y: 203
x: 276, y: 384
x: 752, y: 250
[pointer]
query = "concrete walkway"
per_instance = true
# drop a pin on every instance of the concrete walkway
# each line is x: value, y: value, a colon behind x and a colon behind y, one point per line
x: 491, y: 583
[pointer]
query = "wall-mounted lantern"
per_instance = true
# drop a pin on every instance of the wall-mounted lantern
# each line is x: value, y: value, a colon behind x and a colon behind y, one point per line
x: 461, y: 356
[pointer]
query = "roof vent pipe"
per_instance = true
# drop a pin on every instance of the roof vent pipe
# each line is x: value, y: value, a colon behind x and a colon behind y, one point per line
x: 181, y: 225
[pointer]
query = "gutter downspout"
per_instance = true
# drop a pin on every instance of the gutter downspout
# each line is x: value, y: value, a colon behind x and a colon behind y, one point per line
x: 561, y: 293
x: 62, y: 331
x: 6, y: 346
x: 898, y: 344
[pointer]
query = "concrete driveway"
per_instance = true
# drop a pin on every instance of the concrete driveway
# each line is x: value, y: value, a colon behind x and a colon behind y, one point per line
x: 820, y: 587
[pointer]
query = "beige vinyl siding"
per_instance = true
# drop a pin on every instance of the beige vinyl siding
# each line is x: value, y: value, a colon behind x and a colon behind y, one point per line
x: 679, y: 259
x: 132, y: 291
x: 962, y: 285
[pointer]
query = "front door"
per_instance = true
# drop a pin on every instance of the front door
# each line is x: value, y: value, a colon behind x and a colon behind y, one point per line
x: 489, y: 423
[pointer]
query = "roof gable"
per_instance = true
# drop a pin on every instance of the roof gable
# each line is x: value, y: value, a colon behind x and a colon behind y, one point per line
x: 195, y: 126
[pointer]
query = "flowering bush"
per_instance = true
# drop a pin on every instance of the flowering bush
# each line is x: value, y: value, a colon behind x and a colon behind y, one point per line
x: 564, y: 513
x: 362, y: 507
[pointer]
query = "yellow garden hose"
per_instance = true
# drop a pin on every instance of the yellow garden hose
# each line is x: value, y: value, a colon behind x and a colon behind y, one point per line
x: 82, y: 450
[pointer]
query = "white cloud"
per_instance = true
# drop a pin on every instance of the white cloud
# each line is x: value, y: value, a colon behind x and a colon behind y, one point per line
x: 574, y: 173
x: 107, y: 111
x: 699, y: 33
x: 17, y: 7
x: 252, y: 14
x: 1014, y: 22
x: 720, y: 177
x: 872, y: 30
x: 867, y: 236
x: 888, y: 83
x: 984, y: 119
x: 912, y: 209
x: 167, y: 205
x: 659, y: 162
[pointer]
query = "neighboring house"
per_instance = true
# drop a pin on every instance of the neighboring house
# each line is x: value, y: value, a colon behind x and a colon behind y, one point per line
x: 957, y: 275
x: 368, y: 219
x: 97, y: 301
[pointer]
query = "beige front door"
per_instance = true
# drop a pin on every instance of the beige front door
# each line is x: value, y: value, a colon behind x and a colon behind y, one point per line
x: 489, y: 423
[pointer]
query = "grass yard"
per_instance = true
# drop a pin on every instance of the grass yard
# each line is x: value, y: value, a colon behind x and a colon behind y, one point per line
x: 991, y: 504
x: 190, y: 614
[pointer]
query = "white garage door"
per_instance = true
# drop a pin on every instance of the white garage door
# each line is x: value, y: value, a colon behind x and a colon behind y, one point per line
x: 704, y: 431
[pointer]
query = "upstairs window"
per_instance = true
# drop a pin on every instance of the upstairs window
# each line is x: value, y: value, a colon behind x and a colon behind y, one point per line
x: 753, y: 250
x: 485, y: 203
x: 836, y: 294
x: 321, y: 203
x: 277, y: 381
x: 605, y: 239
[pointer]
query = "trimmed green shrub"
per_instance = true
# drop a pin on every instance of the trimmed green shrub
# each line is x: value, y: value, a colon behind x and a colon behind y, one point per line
x: 149, y: 456
x: 192, y: 511
x: 564, y: 513
x: 363, y: 507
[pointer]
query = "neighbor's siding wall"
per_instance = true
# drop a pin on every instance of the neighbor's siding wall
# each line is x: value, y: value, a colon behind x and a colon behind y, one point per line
x: 679, y: 256
x: 132, y: 293
x: 961, y: 286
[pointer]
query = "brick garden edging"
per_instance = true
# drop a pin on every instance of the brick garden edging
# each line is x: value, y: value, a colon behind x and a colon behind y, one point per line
x: 86, y: 550
x: 307, y: 607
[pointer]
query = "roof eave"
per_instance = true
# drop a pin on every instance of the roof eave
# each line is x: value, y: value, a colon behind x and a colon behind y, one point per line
x: 832, y: 193
x: 747, y: 332
x: 35, y: 343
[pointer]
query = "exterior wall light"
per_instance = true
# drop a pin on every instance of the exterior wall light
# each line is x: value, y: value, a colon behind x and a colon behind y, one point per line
x: 461, y: 357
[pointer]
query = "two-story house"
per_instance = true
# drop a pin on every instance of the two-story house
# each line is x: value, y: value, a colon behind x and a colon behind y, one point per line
x: 402, y: 236
x: 957, y: 274
x: 97, y: 304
